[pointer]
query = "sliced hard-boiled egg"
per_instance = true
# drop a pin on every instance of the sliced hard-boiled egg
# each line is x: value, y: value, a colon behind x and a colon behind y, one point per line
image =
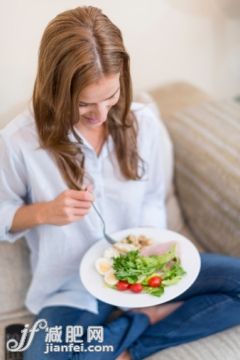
x: 103, y: 265
x: 110, y: 278
x: 124, y: 248
x: 110, y: 252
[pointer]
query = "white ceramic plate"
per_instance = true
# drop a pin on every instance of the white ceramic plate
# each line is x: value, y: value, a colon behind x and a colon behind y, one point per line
x: 94, y: 283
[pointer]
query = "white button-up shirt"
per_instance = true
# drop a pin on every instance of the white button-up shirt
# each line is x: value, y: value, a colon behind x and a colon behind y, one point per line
x: 28, y: 174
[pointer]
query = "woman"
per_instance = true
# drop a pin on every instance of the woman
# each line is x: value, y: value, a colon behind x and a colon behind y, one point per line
x: 85, y: 141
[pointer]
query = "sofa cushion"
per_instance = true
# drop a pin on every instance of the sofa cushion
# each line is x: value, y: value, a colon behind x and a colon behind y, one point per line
x: 207, y: 147
x: 177, y: 96
x: 15, y: 276
x: 223, y: 345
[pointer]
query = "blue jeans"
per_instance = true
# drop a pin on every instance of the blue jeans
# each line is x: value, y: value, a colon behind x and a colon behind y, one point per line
x: 210, y: 305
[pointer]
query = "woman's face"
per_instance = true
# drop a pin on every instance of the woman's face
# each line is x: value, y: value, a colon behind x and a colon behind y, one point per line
x: 96, y: 100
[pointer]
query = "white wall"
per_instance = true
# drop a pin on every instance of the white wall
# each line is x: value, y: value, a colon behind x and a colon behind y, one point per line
x: 167, y: 41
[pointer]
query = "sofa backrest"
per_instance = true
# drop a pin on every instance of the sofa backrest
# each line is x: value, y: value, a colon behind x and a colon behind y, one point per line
x: 207, y: 172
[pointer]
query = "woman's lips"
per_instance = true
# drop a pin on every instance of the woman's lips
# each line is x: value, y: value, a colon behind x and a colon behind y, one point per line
x: 92, y: 120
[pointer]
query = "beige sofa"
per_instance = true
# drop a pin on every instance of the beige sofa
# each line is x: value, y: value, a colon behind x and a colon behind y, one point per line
x: 197, y: 206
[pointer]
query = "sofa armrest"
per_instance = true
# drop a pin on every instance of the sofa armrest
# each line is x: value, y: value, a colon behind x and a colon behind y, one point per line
x: 207, y: 171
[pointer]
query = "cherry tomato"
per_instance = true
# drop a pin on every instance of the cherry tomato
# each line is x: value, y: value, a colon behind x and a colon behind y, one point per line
x: 122, y: 285
x: 155, y: 281
x: 136, y: 287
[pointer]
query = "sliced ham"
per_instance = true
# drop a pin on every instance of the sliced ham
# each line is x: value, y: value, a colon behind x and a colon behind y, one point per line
x: 158, y: 249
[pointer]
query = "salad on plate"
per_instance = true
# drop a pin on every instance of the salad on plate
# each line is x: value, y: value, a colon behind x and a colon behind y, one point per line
x: 138, y: 265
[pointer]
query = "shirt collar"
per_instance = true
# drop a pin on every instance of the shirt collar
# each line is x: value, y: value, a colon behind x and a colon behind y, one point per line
x: 106, y: 149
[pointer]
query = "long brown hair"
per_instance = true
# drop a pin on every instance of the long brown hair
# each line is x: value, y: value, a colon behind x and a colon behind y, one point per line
x: 78, y: 47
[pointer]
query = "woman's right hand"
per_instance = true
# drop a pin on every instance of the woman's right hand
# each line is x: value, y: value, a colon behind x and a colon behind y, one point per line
x: 68, y: 207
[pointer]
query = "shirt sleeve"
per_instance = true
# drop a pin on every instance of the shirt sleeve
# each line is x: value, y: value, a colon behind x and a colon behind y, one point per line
x: 13, y: 190
x: 153, y: 212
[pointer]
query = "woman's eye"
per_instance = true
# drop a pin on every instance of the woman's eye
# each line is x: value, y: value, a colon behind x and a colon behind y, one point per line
x: 110, y: 100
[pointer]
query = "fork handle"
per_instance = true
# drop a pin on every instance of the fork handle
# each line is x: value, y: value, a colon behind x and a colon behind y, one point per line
x: 100, y: 216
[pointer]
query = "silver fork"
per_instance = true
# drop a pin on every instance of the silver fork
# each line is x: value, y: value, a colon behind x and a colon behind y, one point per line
x: 88, y: 180
x: 107, y: 237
